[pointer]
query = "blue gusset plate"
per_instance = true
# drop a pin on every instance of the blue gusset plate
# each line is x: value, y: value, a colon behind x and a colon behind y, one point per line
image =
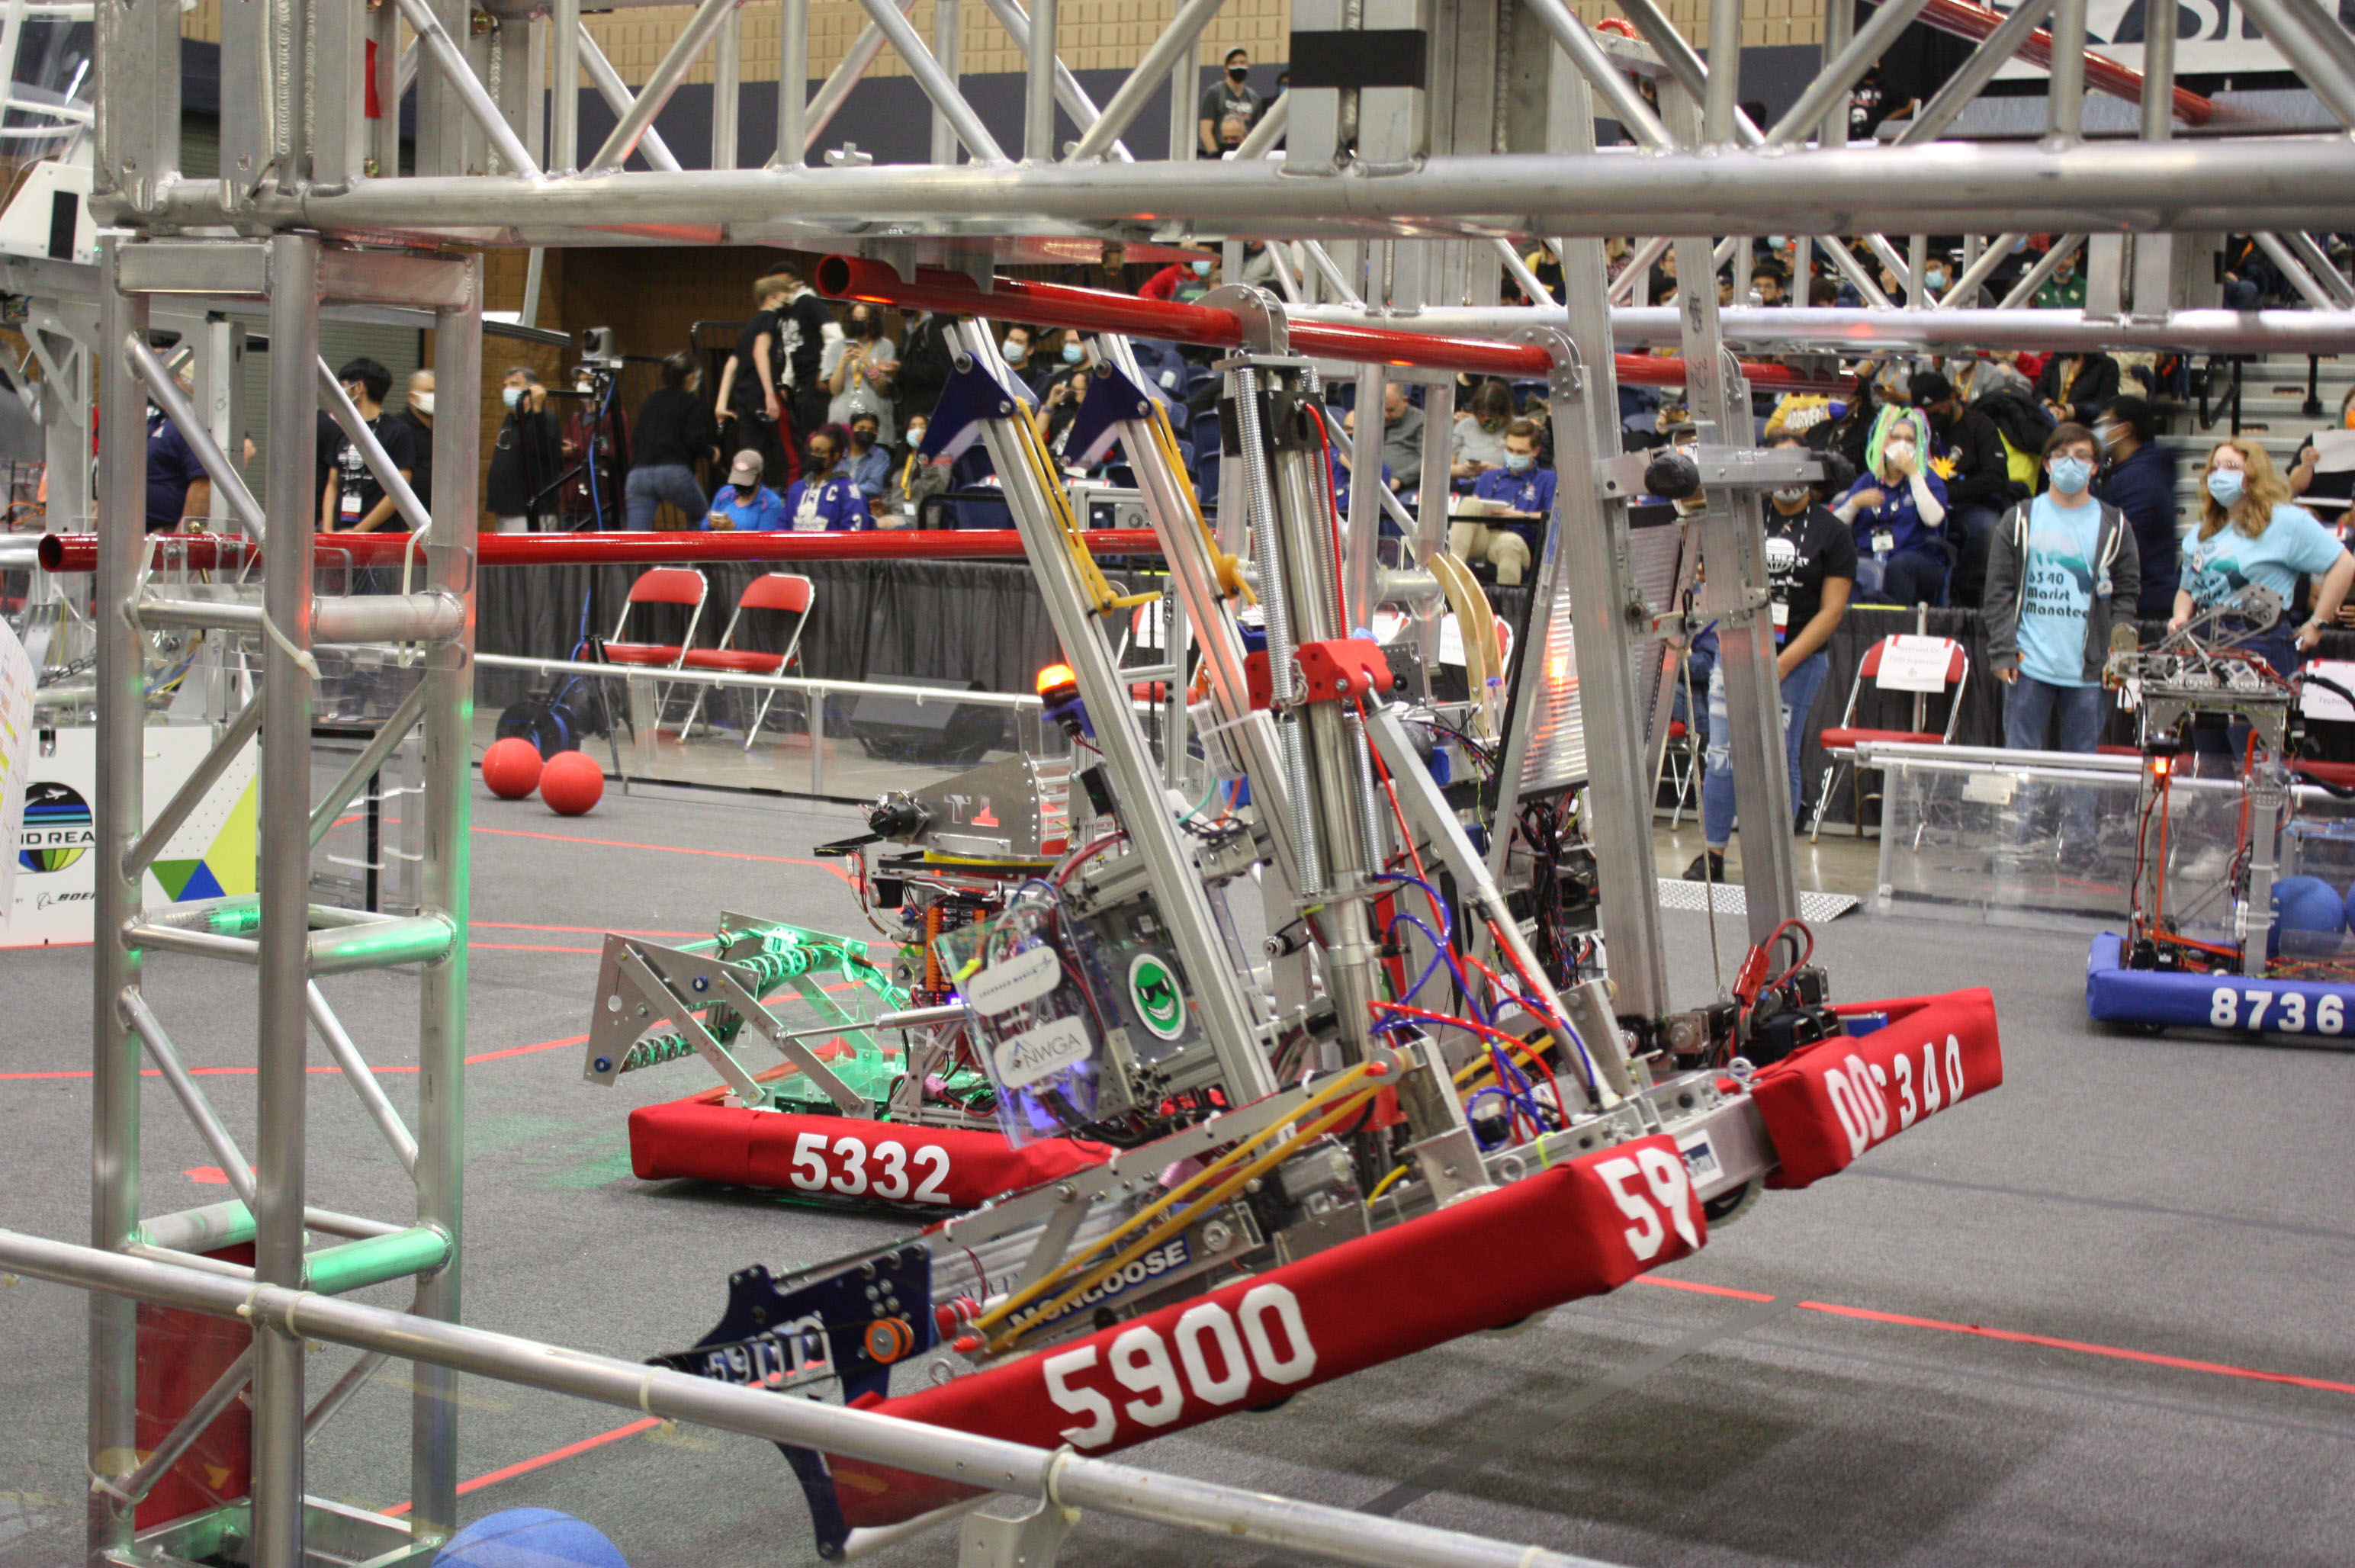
x: 2234, y: 1003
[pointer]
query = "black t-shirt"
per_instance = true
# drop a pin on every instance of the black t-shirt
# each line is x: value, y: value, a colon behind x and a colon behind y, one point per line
x: 420, y: 451
x: 803, y: 322
x: 1224, y: 97
x: 2332, y: 490
x: 747, y: 392
x: 675, y: 429
x: 357, y: 490
x: 1801, y: 551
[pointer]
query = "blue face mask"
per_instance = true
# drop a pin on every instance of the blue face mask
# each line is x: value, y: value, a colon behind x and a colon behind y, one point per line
x: 511, y: 395
x: 1013, y: 350
x: 2071, y: 474
x: 1201, y: 269
x: 1519, y: 461
x: 2225, y: 484
x: 1073, y: 353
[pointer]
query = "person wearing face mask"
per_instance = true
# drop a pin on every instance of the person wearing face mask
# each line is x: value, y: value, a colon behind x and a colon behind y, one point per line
x: 823, y: 499
x: 868, y: 465
x: 1232, y: 132
x: 1897, y: 507
x: 858, y: 369
x: 527, y: 455
x: 1476, y: 444
x: 353, y: 501
x: 1231, y: 95
x: 2063, y: 567
x: 673, y: 434
x: 1517, y: 489
x: 920, y: 477
x: 2137, y: 477
x: 2249, y: 533
x: 1182, y: 280
x: 1810, y: 570
x: 1965, y: 444
x: 417, y: 414
x: 2064, y: 290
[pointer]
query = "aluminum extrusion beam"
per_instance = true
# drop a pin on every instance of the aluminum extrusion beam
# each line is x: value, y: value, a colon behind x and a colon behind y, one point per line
x: 1768, y: 329
x: 1095, y: 310
x: 620, y: 99
x: 79, y: 552
x: 2271, y: 183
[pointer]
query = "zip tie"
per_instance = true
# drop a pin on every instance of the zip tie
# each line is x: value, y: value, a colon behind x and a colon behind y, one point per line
x: 300, y: 1297
x: 645, y: 1391
x: 245, y: 1309
x: 99, y: 1483
x: 1055, y: 1463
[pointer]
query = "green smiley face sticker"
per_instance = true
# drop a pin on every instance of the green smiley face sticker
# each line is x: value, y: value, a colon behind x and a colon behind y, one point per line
x: 1154, y: 990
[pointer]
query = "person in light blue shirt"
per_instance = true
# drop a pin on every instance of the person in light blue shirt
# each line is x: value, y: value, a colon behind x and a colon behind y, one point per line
x: 823, y: 499
x: 2249, y: 534
x: 744, y: 504
x: 2060, y: 567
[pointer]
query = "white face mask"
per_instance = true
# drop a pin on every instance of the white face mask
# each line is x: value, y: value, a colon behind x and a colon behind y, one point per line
x: 422, y: 402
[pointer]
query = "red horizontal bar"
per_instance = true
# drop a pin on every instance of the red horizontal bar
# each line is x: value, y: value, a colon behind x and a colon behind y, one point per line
x: 1966, y: 20
x: 1097, y: 310
x: 79, y: 553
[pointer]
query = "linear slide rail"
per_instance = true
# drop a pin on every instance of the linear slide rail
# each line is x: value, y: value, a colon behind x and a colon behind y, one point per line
x: 1060, y: 1476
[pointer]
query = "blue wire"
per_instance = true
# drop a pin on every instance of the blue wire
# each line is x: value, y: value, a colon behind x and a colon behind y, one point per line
x: 1440, y: 952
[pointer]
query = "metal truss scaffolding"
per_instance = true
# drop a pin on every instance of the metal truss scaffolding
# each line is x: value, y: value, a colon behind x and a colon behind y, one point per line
x: 1409, y: 200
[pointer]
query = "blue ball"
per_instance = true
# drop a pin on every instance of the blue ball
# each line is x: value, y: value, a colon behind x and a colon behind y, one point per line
x: 2308, y: 915
x: 529, y: 1538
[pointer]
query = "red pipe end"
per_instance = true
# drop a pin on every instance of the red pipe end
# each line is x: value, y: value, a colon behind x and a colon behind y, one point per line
x: 51, y: 551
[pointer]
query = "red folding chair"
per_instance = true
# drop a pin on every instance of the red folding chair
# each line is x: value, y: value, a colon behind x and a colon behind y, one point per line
x: 1840, y: 741
x: 771, y: 593
x: 659, y: 585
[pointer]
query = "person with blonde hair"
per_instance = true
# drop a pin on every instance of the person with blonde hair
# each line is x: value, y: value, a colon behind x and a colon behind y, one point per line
x: 2250, y: 534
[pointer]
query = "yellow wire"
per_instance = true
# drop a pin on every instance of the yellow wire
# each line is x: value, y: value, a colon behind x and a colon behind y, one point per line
x: 1323, y: 1095
x: 1386, y: 1183
x: 1230, y: 580
x: 1042, y: 468
x: 1193, y: 1210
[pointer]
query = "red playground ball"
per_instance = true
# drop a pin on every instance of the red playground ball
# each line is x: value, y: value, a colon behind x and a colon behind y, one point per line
x: 572, y: 783
x: 511, y: 768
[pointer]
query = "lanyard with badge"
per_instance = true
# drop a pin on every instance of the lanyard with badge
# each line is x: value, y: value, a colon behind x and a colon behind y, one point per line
x: 354, y: 467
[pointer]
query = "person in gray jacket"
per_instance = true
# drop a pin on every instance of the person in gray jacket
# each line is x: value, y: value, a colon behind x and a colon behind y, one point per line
x: 2060, y: 569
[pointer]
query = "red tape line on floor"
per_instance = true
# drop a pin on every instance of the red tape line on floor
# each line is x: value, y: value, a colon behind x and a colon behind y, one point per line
x: 668, y: 849
x: 524, y: 1466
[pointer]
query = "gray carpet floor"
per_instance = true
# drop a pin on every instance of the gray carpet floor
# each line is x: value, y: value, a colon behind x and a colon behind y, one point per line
x: 2159, y: 1217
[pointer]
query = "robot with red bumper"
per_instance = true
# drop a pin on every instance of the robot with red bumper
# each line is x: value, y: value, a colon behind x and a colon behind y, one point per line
x: 1418, y: 1061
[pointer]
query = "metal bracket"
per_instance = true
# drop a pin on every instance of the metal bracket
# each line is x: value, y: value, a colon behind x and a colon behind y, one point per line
x: 1622, y: 478
x: 1267, y: 329
x: 1568, y: 376
x: 1014, y: 1533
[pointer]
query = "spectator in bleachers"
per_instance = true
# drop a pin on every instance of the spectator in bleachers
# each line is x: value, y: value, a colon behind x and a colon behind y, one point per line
x: 674, y: 432
x: 1403, y: 436
x: 824, y: 500
x: 2065, y: 289
x: 1344, y: 453
x: 1508, y: 494
x: 1810, y: 570
x: 2249, y: 533
x: 750, y: 408
x: 1182, y: 281
x: 858, y: 367
x: 870, y: 465
x: 2325, y: 491
x: 1476, y: 445
x: 1230, y: 98
x: 2063, y: 566
x: 1897, y: 507
x: 2138, y: 478
x: 744, y: 504
x: 2076, y: 388
x: 926, y: 360
x: 1989, y: 370
x: 1232, y: 132
x: 1767, y: 282
x: 1968, y: 453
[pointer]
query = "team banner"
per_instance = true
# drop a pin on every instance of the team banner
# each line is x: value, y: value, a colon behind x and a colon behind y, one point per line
x: 1825, y: 1106
x: 842, y: 1156
x: 1576, y: 1230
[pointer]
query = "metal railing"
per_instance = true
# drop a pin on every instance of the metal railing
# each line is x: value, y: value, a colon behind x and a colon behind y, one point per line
x: 1062, y: 1478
